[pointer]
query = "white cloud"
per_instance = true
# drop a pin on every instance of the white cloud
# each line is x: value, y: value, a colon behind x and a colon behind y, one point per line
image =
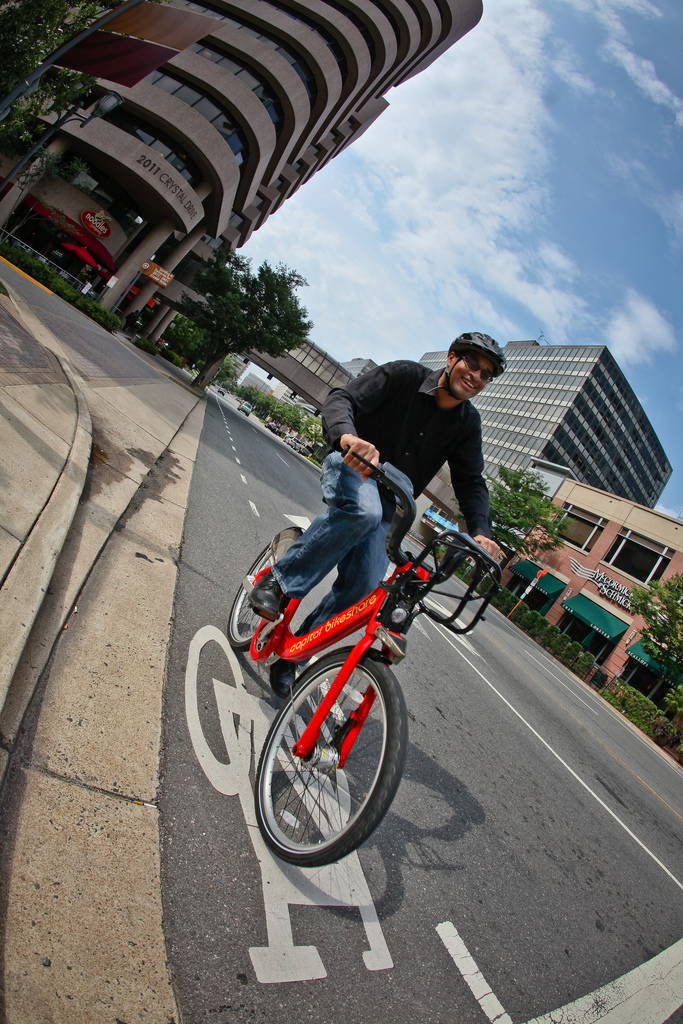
x: 567, y: 67
x: 638, y: 331
x: 642, y: 73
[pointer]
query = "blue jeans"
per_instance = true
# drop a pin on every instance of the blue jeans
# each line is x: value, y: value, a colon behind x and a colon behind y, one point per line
x: 350, y: 534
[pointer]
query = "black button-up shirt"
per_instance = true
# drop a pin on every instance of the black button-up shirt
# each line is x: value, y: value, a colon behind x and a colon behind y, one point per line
x: 394, y: 407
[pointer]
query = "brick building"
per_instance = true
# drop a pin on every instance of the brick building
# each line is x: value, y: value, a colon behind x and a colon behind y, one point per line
x: 610, y: 545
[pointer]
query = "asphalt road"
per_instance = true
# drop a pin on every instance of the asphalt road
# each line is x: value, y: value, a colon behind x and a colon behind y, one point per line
x: 534, y: 826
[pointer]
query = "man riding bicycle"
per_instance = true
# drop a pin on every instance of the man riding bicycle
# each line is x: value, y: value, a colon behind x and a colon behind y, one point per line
x: 414, y: 418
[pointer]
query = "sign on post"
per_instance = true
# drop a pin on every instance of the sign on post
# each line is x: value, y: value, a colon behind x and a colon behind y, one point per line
x: 157, y: 273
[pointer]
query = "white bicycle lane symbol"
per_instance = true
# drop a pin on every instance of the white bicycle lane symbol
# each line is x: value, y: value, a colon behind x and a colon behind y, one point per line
x: 649, y: 994
x: 244, y: 721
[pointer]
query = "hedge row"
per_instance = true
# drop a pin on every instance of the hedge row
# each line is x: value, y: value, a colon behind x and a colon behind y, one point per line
x: 51, y: 279
x: 640, y: 710
x: 157, y: 350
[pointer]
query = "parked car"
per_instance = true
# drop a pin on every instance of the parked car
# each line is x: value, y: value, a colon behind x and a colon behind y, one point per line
x: 221, y: 391
x: 246, y: 408
x: 274, y: 428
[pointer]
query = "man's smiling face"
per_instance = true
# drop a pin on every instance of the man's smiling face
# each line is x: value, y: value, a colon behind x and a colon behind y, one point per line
x: 465, y: 381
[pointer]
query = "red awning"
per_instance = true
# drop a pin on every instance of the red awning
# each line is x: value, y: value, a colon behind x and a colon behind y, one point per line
x: 75, y: 230
x: 119, y: 59
x: 82, y: 253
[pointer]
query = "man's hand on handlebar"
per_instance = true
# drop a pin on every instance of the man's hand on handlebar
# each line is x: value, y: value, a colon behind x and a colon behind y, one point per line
x: 489, y: 545
x: 357, y: 446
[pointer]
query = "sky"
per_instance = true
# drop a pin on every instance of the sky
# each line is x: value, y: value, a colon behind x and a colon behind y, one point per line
x: 528, y: 182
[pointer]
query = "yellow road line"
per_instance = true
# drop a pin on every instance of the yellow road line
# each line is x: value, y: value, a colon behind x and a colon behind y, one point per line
x: 27, y: 276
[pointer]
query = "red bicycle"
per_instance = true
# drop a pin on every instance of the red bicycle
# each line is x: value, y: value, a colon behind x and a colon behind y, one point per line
x: 333, y: 758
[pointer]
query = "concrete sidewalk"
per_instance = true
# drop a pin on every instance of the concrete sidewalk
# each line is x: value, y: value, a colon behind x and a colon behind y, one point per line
x: 95, y: 476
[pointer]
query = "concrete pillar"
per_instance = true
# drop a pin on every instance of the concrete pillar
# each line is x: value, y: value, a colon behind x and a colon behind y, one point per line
x: 160, y: 322
x: 128, y: 271
x: 170, y: 263
x: 16, y: 194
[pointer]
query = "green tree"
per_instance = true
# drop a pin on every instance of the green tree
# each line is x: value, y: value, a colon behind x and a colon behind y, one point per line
x: 244, y: 311
x: 229, y: 371
x: 30, y: 30
x: 184, y: 337
x: 661, y: 605
x: 524, y: 520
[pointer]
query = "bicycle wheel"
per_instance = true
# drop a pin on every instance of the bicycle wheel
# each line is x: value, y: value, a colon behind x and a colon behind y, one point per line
x: 310, y: 816
x: 243, y: 621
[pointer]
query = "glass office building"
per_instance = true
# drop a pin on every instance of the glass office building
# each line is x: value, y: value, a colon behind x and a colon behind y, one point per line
x: 570, y: 405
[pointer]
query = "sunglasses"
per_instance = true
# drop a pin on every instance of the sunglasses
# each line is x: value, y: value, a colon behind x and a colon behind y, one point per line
x: 473, y: 365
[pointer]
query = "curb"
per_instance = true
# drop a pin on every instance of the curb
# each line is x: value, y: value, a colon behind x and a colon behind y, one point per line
x: 27, y: 581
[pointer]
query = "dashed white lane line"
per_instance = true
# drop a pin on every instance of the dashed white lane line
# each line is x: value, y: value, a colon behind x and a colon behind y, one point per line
x: 574, y: 775
x: 238, y: 461
x: 480, y: 989
x: 244, y: 479
x: 649, y: 994
x: 281, y: 459
x: 254, y: 509
x: 303, y: 521
x: 233, y: 447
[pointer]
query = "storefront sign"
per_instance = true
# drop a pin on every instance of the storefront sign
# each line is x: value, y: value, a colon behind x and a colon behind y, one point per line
x: 609, y: 588
x: 95, y: 223
x: 157, y: 273
x: 173, y: 187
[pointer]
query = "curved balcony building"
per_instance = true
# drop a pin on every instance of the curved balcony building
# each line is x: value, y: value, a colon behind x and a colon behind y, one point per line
x: 212, y: 143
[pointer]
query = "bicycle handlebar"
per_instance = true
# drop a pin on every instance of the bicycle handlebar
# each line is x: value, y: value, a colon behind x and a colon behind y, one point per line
x: 406, y: 510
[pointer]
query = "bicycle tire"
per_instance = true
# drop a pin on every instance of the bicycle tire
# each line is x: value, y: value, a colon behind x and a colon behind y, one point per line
x: 310, y: 817
x: 243, y: 620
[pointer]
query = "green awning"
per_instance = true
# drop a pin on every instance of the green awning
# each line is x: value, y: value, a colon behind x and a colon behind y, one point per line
x: 638, y: 653
x: 597, y: 618
x: 547, y: 584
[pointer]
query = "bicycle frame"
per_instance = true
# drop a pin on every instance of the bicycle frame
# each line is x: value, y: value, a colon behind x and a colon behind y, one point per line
x: 277, y: 639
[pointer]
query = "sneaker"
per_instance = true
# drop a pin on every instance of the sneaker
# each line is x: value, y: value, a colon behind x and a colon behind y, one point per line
x: 282, y: 677
x: 268, y: 598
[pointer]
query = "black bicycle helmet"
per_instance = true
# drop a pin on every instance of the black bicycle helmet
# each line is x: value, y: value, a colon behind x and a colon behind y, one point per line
x: 476, y: 342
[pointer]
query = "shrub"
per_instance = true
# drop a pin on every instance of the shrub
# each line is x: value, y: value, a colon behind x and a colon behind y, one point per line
x: 51, y: 279
x: 522, y: 616
x: 584, y: 663
x: 504, y: 601
x: 145, y: 344
x: 638, y: 709
x: 573, y: 653
x: 172, y: 357
x: 559, y: 645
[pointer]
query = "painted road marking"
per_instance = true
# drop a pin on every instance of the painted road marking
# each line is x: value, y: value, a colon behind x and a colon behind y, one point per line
x: 578, y: 778
x: 337, y: 885
x: 254, y: 509
x: 283, y: 460
x: 649, y: 994
x: 303, y: 521
x: 238, y: 461
x: 562, y: 683
x: 244, y: 479
x: 233, y: 447
x: 418, y: 626
x: 479, y: 987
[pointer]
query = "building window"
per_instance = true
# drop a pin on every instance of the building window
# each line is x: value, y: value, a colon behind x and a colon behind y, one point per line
x: 158, y: 141
x: 581, y: 528
x: 222, y: 121
x: 246, y: 75
x: 641, y: 558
